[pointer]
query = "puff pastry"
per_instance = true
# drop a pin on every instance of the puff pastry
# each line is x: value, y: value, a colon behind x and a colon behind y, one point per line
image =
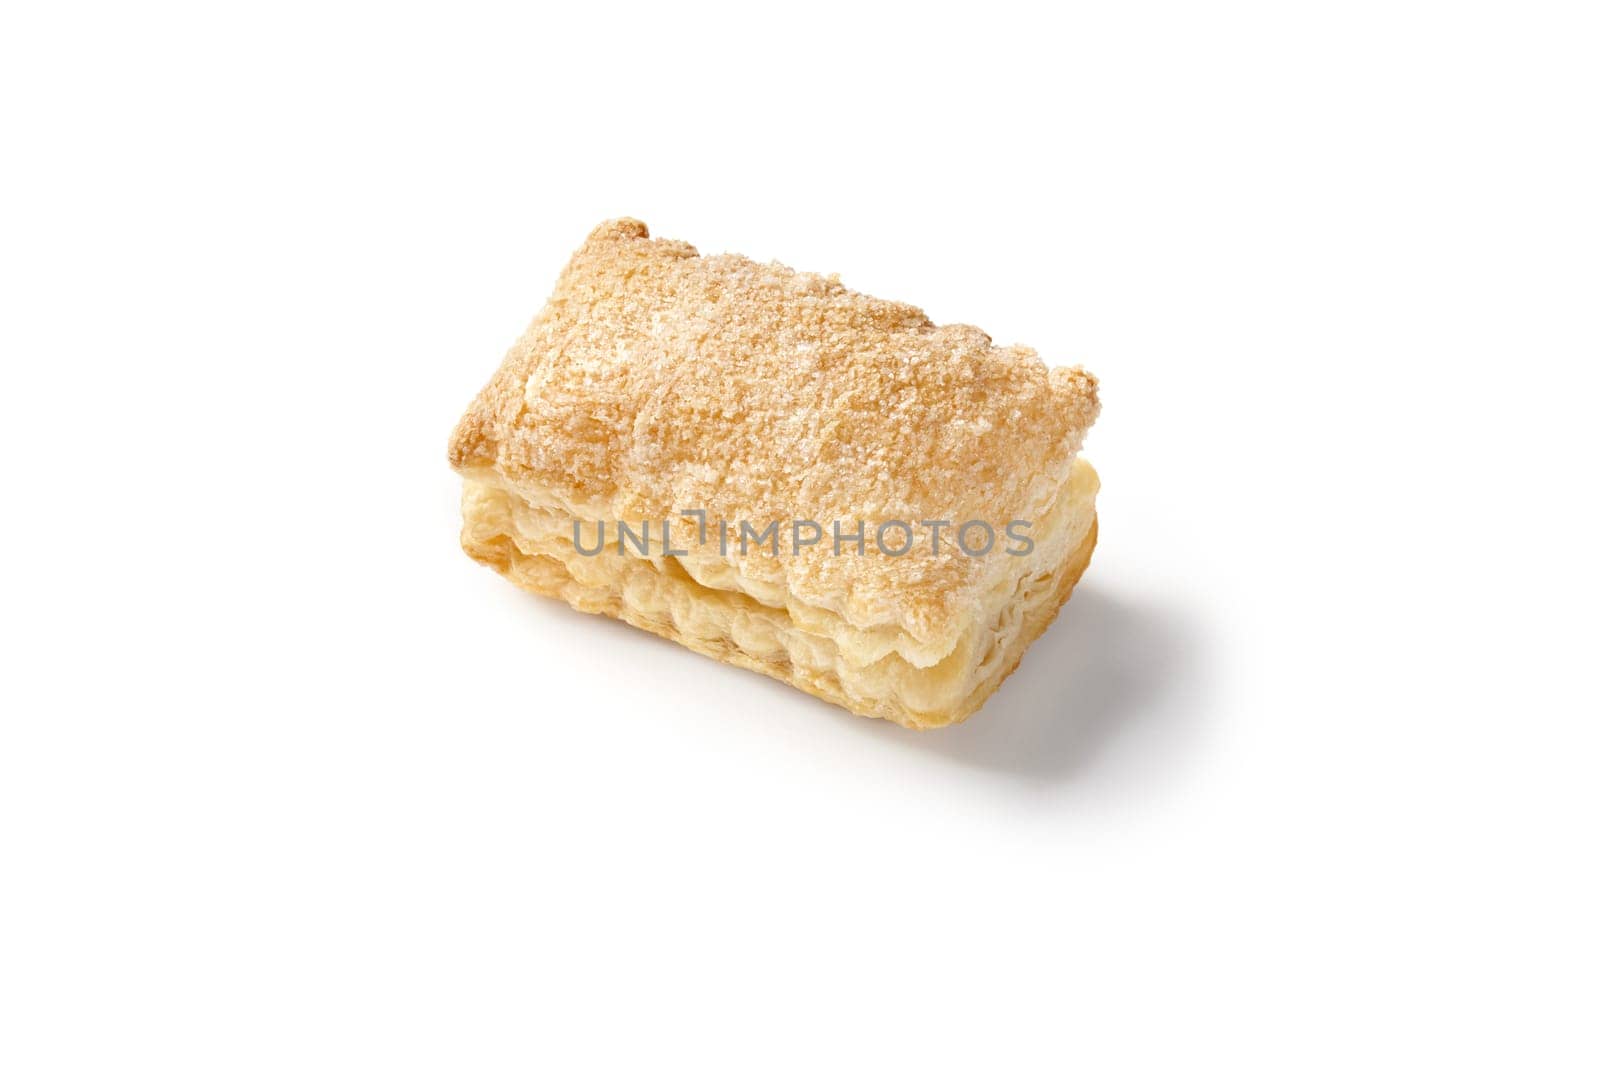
x: 658, y: 382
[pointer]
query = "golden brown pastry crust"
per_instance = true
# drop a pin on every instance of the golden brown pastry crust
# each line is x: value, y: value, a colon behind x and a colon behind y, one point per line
x: 657, y: 380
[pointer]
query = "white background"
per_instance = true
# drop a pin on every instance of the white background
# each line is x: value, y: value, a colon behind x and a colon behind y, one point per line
x: 1305, y: 773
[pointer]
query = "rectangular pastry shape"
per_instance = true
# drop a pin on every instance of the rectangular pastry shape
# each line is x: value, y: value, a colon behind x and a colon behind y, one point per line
x: 874, y: 509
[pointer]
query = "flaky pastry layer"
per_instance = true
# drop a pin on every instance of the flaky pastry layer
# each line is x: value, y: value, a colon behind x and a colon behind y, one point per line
x: 701, y: 602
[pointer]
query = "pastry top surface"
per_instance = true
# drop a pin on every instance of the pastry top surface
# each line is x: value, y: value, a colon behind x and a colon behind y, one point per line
x: 657, y: 380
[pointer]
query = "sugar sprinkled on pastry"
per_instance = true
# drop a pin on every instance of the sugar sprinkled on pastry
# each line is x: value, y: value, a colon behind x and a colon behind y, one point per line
x: 814, y: 472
